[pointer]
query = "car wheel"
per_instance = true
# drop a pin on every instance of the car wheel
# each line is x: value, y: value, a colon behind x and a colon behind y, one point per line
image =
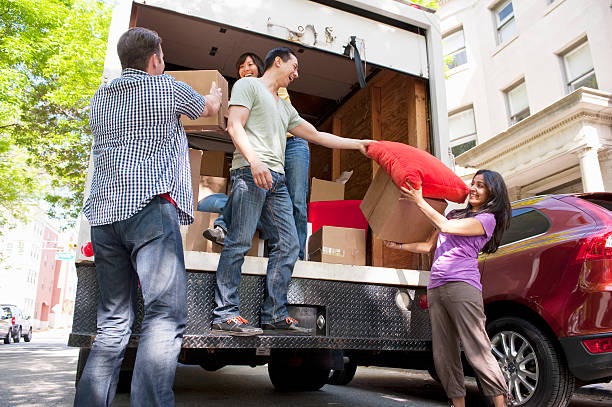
x: 17, y: 338
x: 535, y: 371
x: 296, y: 378
x: 7, y: 338
x: 28, y: 337
x: 343, y: 377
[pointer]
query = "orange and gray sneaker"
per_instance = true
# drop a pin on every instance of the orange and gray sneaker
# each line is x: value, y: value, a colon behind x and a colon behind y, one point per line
x: 287, y: 326
x: 236, y: 326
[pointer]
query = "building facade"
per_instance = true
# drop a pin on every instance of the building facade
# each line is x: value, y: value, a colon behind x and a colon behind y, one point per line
x: 31, y: 274
x: 529, y: 91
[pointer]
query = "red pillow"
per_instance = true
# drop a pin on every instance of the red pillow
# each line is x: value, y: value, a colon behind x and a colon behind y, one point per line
x: 421, y: 169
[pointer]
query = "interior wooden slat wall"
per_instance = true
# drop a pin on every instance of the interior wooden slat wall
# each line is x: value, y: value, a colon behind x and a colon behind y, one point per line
x: 392, y: 107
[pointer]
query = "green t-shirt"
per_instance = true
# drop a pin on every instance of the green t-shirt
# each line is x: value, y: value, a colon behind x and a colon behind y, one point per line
x: 267, y: 125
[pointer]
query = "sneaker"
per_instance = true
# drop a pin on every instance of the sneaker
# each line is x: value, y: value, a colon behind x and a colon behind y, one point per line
x: 287, y: 326
x: 236, y: 326
x: 215, y: 235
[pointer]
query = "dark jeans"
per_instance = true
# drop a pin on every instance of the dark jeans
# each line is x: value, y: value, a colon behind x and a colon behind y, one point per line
x: 250, y: 206
x: 145, y: 248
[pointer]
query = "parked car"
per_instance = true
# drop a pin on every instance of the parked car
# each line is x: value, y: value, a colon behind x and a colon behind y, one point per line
x: 18, y: 325
x: 6, y: 325
x: 548, y: 297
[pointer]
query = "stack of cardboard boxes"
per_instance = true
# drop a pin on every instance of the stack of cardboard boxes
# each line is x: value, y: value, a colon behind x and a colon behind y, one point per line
x: 207, y: 170
x: 333, y: 244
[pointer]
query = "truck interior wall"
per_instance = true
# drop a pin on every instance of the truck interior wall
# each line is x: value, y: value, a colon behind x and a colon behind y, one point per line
x: 393, y: 107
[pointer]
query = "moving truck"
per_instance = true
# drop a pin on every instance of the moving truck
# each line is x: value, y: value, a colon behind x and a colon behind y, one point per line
x: 368, y: 69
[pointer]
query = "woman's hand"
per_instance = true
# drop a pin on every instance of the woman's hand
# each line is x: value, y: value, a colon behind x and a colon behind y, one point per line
x: 411, y: 194
x: 392, y: 245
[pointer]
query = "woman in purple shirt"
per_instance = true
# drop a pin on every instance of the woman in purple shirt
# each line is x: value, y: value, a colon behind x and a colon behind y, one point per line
x: 454, y: 291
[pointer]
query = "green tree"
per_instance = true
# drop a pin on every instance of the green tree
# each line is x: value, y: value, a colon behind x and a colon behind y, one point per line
x: 433, y: 4
x: 51, y: 60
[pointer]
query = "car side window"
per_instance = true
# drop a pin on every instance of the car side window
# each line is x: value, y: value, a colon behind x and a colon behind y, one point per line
x: 525, y: 223
x: 6, y: 312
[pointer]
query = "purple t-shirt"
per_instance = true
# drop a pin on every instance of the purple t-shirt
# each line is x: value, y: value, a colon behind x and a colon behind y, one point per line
x: 456, y: 257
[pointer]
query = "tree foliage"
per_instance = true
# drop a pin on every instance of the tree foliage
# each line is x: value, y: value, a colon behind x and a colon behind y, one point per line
x: 51, y: 60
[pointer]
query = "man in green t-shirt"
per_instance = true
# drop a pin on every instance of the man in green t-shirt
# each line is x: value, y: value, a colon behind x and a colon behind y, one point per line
x: 258, y: 122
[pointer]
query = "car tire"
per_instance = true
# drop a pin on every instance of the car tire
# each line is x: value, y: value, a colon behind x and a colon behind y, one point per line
x: 532, y: 359
x: 286, y: 378
x: 7, y: 338
x: 343, y: 377
x: 17, y: 338
x: 28, y: 337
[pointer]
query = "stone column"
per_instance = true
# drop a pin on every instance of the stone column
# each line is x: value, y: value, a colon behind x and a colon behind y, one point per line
x: 605, y: 162
x: 590, y: 170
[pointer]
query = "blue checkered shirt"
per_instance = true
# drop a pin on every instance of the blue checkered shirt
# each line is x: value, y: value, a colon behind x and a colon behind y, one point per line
x: 140, y: 147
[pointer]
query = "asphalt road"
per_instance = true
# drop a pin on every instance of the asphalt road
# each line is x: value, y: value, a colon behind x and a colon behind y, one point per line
x: 41, y: 373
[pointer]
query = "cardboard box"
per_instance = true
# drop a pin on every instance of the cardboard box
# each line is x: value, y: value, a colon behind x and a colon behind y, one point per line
x: 321, y: 190
x: 211, y: 185
x: 195, y: 162
x: 393, y: 219
x: 196, y: 242
x: 213, y: 163
x: 201, y: 81
x: 332, y: 244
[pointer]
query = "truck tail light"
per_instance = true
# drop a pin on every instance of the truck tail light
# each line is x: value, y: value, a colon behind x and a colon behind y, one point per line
x: 423, y: 301
x: 13, y: 321
x: 598, y: 345
x: 598, y: 246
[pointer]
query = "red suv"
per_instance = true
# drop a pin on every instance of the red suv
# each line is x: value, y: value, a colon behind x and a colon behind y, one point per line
x: 548, y: 297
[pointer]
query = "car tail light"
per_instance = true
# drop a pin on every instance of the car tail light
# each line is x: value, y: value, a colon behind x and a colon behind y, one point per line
x: 595, y: 256
x: 13, y: 321
x: 423, y: 301
x: 598, y: 246
x: 598, y: 345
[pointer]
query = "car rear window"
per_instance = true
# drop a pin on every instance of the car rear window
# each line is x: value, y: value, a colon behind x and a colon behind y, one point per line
x: 525, y: 223
x: 600, y: 202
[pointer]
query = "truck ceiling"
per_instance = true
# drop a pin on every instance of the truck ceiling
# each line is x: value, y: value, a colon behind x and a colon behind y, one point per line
x: 212, y: 34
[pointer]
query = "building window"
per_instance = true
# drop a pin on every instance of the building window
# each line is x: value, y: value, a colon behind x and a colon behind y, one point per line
x: 462, y: 131
x: 504, y: 22
x: 453, y: 47
x: 579, y: 69
x: 518, y: 104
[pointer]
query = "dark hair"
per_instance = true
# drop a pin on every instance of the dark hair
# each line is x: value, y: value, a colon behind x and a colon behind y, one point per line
x: 498, y: 203
x: 283, y: 52
x: 256, y: 60
x: 136, y: 46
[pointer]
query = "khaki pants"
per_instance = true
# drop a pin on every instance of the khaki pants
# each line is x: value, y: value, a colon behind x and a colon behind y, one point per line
x: 457, y: 316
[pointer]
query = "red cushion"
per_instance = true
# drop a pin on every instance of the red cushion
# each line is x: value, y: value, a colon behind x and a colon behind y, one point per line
x: 421, y: 169
x: 345, y: 214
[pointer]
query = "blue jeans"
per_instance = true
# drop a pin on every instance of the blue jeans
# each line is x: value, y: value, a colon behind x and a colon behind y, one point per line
x: 270, y: 209
x: 213, y: 203
x: 297, y: 157
x: 145, y: 248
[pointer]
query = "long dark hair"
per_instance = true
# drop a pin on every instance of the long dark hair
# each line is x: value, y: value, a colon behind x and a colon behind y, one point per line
x: 498, y: 203
x: 256, y: 60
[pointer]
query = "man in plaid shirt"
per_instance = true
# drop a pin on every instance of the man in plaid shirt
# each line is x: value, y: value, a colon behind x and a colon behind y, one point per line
x: 140, y: 192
